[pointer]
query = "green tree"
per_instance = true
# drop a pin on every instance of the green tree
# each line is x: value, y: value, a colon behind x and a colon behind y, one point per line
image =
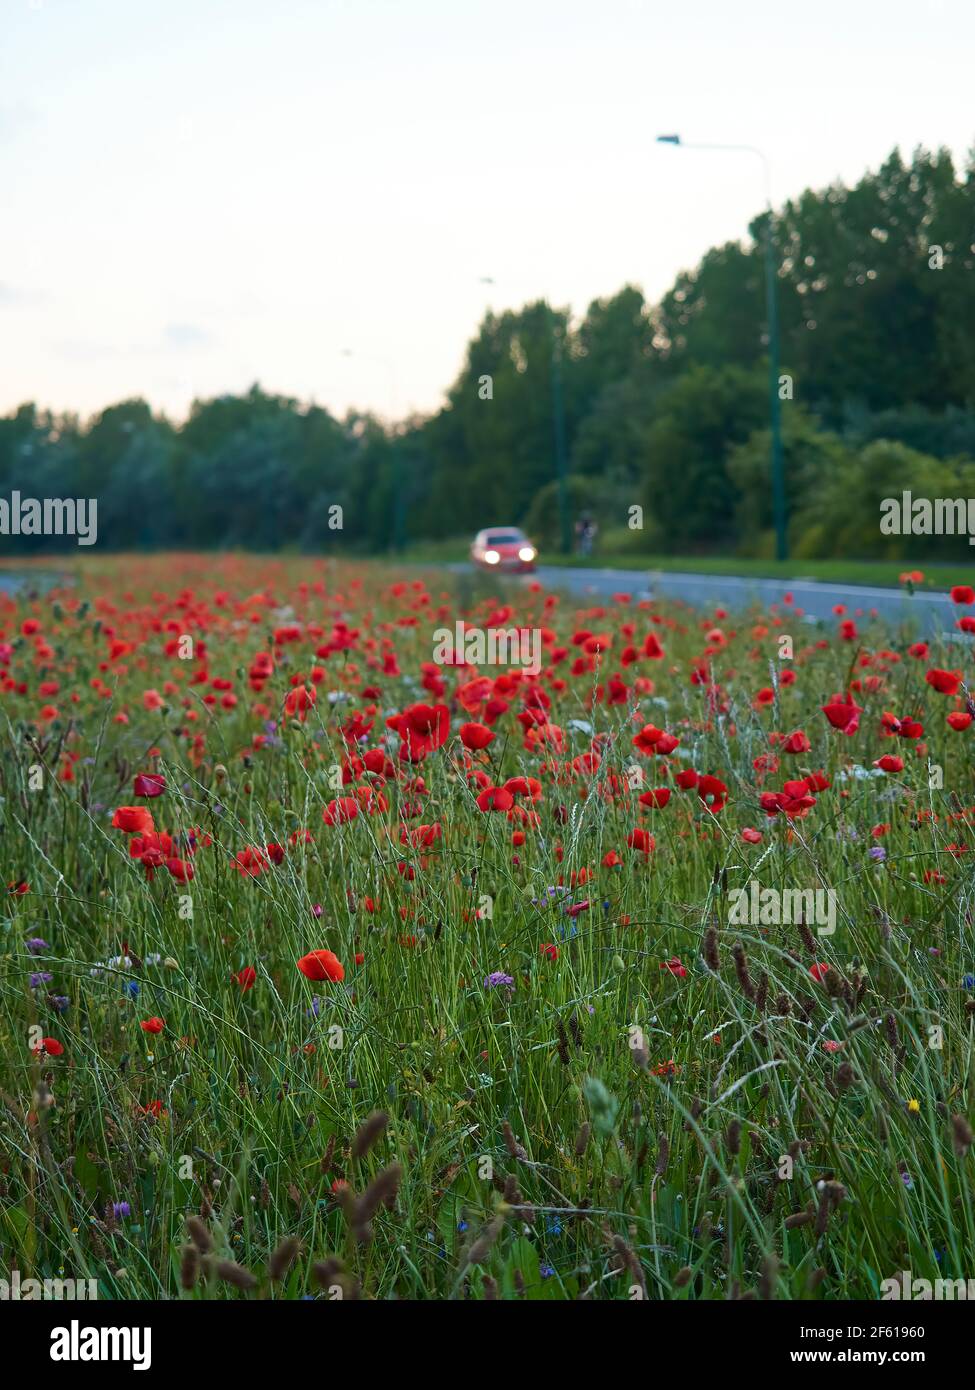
x: 687, y: 488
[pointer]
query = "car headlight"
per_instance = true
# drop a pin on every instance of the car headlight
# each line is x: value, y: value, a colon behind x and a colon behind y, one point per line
x: 491, y: 557
x: 526, y: 553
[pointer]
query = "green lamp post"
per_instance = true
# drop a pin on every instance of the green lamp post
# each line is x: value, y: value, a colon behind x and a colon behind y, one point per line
x: 772, y: 316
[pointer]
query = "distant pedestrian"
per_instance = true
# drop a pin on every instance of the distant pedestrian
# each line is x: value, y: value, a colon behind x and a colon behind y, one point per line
x: 585, y: 534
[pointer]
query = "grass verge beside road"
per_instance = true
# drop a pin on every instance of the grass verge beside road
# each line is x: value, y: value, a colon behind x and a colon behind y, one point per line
x: 879, y: 573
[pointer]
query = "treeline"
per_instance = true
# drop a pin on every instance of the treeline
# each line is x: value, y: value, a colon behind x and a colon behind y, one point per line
x: 662, y: 406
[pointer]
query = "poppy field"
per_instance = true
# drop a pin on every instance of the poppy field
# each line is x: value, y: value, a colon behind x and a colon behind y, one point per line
x: 333, y: 970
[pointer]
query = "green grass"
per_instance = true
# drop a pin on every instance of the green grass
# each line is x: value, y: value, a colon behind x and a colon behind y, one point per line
x: 878, y: 573
x: 604, y: 1124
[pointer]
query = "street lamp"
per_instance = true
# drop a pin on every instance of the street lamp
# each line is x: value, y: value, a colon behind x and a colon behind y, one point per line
x: 558, y: 421
x: 771, y: 311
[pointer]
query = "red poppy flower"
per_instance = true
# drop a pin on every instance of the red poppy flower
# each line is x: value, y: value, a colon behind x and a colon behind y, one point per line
x: 647, y: 739
x: 245, y: 978
x: 50, y: 1046
x: 796, y: 743
x: 713, y: 793
x: 153, y: 848
x: 495, y: 799
x: 890, y: 763
x: 550, y: 951
x: 152, y: 1025
x: 642, y: 840
x: 959, y: 720
x: 818, y: 971
x: 299, y: 701
x: 963, y: 593
x: 341, y: 810
x: 149, y: 784
x: 322, y: 965
x: 422, y: 729
x: 134, y: 820
x: 529, y: 787
x: 843, y: 714
x: 249, y: 862
x: 944, y: 682
x: 793, y: 801
x: 476, y: 736
x: 658, y: 798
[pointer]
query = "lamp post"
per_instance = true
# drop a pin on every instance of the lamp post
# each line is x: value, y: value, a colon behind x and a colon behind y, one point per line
x: 397, y: 528
x: 772, y: 316
x: 558, y: 414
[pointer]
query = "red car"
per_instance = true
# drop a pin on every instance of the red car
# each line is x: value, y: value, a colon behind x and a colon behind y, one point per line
x: 504, y: 548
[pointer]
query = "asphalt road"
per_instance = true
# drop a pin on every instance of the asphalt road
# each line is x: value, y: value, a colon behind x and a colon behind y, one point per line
x: 932, y: 613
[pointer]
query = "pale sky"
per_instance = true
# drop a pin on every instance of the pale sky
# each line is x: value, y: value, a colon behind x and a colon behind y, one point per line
x: 198, y: 194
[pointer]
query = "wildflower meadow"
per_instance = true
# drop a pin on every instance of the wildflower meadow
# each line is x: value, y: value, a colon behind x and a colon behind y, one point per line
x: 336, y: 967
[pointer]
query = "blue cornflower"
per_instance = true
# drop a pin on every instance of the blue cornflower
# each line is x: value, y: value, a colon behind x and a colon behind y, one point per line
x: 498, y: 977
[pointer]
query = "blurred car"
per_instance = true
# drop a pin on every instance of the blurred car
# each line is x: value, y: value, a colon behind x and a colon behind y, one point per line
x: 504, y: 548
